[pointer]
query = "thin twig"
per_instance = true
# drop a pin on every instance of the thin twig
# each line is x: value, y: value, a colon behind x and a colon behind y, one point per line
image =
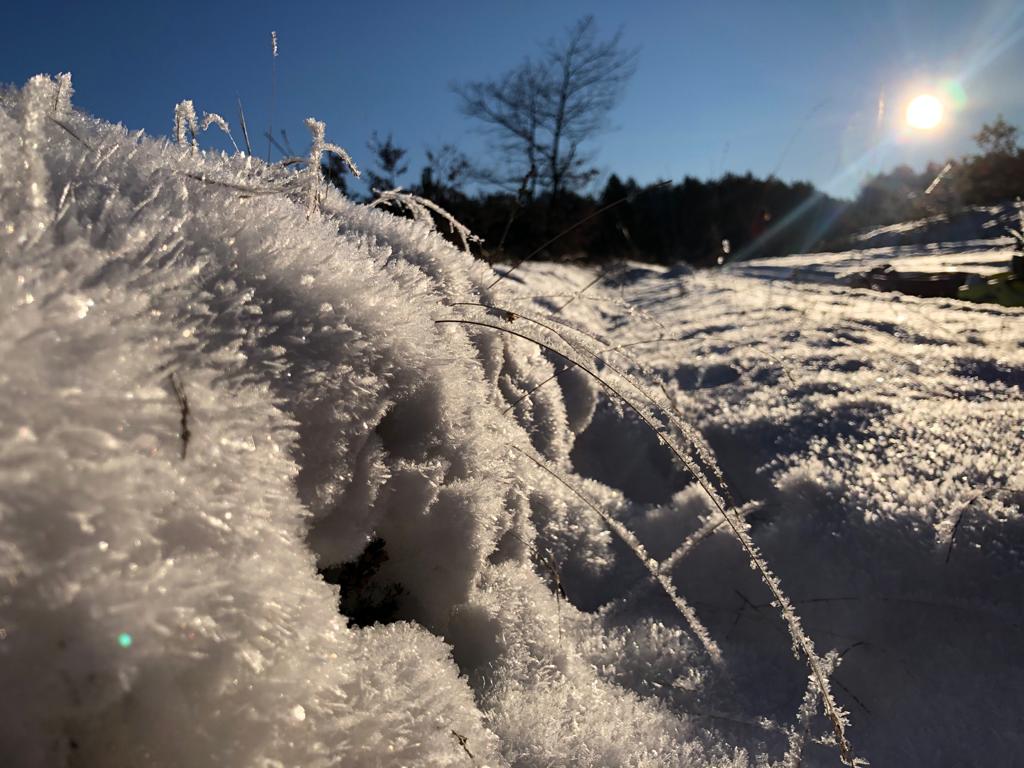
x: 463, y: 742
x: 534, y: 389
x: 801, y: 642
x: 273, y: 92
x: 272, y: 141
x: 638, y: 549
x: 245, y: 129
x: 579, y: 348
x: 179, y: 392
x: 581, y: 291
x: 63, y: 125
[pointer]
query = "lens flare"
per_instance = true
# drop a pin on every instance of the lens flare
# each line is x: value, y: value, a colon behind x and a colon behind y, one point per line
x: 924, y: 112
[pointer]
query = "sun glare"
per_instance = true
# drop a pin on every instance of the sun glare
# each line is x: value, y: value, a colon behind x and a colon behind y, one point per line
x: 924, y: 112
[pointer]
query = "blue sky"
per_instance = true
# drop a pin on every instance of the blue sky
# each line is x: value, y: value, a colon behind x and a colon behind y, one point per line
x: 789, y: 86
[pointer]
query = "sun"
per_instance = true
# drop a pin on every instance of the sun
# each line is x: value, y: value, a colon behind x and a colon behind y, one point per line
x: 924, y: 112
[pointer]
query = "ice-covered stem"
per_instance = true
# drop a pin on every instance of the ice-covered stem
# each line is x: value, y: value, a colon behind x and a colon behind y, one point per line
x: 802, y: 644
x: 799, y: 733
x: 62, y: 99
x: 705, y: 461
x: 631, y: 541
x: 212, y: 118
x: 317, y: 128
x: 273, y: 91
x: 714, y: 521
x: 421, y: 208
x: 185, y: 120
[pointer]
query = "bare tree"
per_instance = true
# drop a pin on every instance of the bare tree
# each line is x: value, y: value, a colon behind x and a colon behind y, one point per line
x: 588, y: 76
x: 446, y: 168
x: 512, y: 111
x: 542, y: 113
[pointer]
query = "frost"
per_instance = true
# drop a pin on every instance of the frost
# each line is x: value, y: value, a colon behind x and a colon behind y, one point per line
x: 185, y: 121
x: 318, y: 146
x: 421, y: 210
x: 211, y: 399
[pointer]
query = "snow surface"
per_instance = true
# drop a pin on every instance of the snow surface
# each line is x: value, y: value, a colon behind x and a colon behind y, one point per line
x: 875, y: 429
x: 220, y: 376
x: 977, y: 241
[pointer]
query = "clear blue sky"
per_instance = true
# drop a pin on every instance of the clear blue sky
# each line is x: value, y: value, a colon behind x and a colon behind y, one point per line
x: 720, y: 86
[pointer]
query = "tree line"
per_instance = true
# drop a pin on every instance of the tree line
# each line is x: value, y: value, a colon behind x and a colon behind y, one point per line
x: 542, y: 118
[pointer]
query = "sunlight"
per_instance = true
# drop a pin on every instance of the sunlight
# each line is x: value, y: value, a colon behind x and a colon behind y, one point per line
x: 924, y: 112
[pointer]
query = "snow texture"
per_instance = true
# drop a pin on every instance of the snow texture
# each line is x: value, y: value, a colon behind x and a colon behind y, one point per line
x: 222, y: 377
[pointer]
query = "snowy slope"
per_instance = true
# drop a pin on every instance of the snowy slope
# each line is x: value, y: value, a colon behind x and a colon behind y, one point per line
x: 883, y: 434
x: 977, y: 241
x: 979, y: 257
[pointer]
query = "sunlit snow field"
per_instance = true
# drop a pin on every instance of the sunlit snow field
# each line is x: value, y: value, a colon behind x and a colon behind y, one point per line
x: 220, y: 378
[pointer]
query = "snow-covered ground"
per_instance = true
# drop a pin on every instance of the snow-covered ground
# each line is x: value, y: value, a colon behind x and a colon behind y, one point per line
x: 981, y: 257
x: 977, y: 242
x: 884, y: 435
x: 220, y: 377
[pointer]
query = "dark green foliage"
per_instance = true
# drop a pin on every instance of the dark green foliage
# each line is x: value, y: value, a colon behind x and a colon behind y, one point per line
x: 365, y: 601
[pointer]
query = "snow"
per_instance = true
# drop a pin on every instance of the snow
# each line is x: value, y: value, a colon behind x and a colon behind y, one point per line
x: 221, y: 376
x: 865, y: 425
x: 977, y: 241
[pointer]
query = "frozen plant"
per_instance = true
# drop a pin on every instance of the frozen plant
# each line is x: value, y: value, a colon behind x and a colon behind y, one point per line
x: 62, y: 99
x: 421, y: 209
x: 316, y: 150
x: 186, y: 122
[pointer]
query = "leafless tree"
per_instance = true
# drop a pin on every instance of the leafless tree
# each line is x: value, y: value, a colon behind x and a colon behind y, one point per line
x: 542, y: 113
x: 512, y: 111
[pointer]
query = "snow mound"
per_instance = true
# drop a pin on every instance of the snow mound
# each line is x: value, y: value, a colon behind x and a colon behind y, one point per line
x: 222, y: 378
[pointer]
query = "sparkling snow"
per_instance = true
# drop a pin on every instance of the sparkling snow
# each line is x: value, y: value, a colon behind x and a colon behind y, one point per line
x: 220, y: 377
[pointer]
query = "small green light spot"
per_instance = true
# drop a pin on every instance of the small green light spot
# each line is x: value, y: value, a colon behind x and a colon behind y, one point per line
x: 124, y: 640
x: 955, y: 92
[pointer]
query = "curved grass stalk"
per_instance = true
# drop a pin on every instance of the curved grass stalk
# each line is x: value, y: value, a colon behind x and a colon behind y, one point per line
x: 802, y: 644
x: 689, y: 433
x: 712, y: 524
x: 631, y: 541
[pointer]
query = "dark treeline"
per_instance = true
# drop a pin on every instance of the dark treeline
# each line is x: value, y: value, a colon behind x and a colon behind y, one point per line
x: 542, y: 119
x: 698, y: 222
x: 693, y: 221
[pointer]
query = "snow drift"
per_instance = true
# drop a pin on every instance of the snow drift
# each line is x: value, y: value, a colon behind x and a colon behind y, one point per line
x: 211, y: 390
